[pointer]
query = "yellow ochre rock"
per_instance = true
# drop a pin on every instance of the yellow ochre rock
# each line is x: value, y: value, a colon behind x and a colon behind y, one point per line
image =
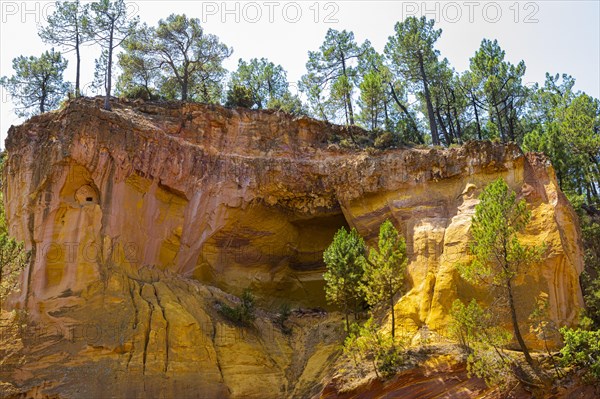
x: 143, y: 219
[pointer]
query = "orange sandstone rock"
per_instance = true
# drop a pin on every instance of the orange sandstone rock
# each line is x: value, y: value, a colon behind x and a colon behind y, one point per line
x: 134, y: 215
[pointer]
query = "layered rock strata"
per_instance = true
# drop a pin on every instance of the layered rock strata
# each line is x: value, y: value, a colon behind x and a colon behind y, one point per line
x: 142, y: 219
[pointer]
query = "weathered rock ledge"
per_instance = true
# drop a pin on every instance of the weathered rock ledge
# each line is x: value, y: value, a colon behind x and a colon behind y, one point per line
x: 133, y: 214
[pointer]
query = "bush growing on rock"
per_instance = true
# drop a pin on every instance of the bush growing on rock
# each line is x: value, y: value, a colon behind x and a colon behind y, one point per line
x: 282, y: 317
x: 582, y: 350
x: 13, y: 257
x: 367, y: 343
x: 242, y: 314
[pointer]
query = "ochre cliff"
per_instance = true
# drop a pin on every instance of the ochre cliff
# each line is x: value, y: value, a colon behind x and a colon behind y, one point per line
x: 140, y: 220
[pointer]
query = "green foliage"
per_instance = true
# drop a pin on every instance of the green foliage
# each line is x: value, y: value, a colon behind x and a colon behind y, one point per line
x: 497, y: 254
x: 490, y: 363
x: 590, y: 278
x: 582, y: 350
x: 240, y: 96
x: 178, y: 59
x: 316, y: 95
x: 449, y: 104
x: 108, y: 26
x: 499, y: 82
x: 467, y: 322
x: 412, y: 57
x: 372, y: 100
x: 13, y: 257
x: 66, y: 28
x: 242, y: 314
x: 344, y: 259
x: 141, y: 74
x: 367, y: 344
x: 383, y: 100
x: 37, y: 85
x: 265, y: 81
x: 192, y: 56
x: 565, y: 125
x: 138, y: 92
x: 331, y: 77
x: 384, y: 272
x: 477, y: 331
x: 288, y: 103
x: 284, y: 314
x: 384, y: 140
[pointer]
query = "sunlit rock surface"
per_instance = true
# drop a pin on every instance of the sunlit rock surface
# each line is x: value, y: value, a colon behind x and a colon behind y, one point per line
x: 141, y: 219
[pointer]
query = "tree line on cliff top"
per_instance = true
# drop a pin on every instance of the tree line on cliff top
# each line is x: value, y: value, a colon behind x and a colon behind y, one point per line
x: 405, y: 94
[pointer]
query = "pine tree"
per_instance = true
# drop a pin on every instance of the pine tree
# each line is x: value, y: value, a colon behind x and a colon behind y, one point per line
x: 498, y: 256
x: 66, y: 29
x: 37, y: 85
x: 372, y: 101
x: 179, y: 57
x: 384, y: 273
x: 109, y: 26
x: 500, y: 82
x: 265, y: 80
x: 141, y: 73
x: 344, y: 259
x: 332, y: 74
x: 412, y: 57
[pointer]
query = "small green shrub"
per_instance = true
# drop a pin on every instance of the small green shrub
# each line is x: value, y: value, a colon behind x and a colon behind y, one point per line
x: 389, y: 361
x: 284, y: 314
x: 367, y: 344
x: 476, y: 331
x: 467, y: 322
x: 242, y: 314
x: 140, y: 92
x: 240, y: 96
x: 582, y: 350
x: 384, y: 140
x: 491, y: 364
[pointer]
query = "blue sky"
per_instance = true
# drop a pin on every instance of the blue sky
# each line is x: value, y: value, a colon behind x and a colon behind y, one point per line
x: 550, y: 36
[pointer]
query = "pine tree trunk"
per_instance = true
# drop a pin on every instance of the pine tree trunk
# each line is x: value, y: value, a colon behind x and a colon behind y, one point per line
x: 443, y: 127
x: 393, y: 316
x: 432, y: 125
x: 347, y: 97
x: 476, y: 118
x: 500, y: 127
x: 408, y: 115
x: 43, y: 97
x: 109, y: 69
x: 458, y: 127
x: 78, y: 67
x: 184, y: 86
x: 350, y: 112
x: 387, y: 119
x: 347, y: 321
x: 515, y: 323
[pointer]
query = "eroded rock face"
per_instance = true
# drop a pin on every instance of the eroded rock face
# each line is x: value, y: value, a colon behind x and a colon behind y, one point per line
x: 132, y: 214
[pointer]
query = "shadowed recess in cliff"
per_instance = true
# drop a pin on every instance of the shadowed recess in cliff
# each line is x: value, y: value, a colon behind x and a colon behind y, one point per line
x: 271, y: 250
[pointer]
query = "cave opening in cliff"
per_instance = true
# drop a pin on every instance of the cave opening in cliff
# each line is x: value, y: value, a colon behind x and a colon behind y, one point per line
x: 276, y: 252
x: 314, y: 236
